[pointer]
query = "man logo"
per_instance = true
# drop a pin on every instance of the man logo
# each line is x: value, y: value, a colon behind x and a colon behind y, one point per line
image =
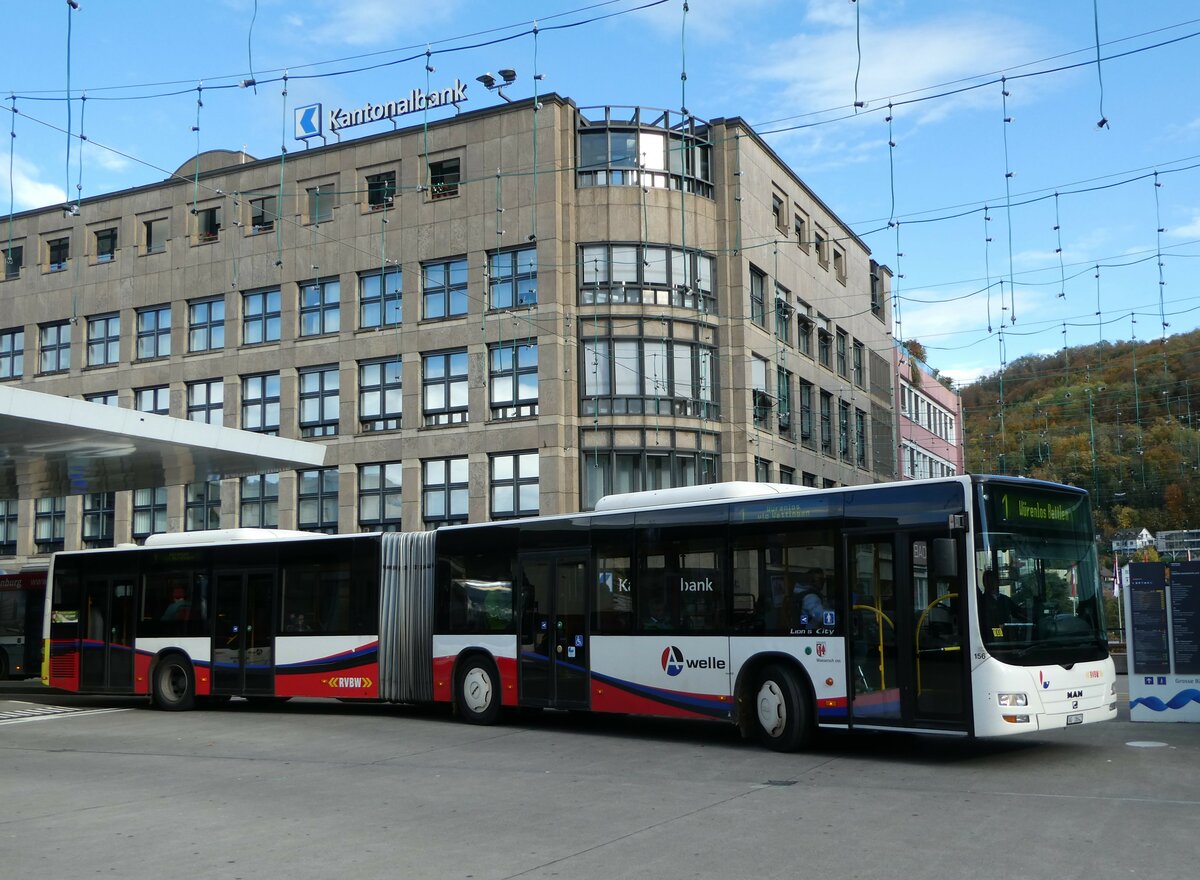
x: 672, y: 660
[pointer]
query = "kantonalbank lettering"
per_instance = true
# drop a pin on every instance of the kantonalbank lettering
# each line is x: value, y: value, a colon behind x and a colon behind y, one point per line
x: 704, y: 586
x: 416, y: 100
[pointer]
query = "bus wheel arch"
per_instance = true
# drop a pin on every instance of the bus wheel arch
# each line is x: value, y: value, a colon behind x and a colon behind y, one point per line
x: 776, y: 703
x: 173, y: 682
x: 477, y: 693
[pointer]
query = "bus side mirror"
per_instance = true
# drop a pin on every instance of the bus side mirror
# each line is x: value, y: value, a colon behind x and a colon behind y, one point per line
x: 945, y: 558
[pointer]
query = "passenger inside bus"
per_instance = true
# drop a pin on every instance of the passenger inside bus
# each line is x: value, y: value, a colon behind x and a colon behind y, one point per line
x: 807, y: 603
x: 180, y: 608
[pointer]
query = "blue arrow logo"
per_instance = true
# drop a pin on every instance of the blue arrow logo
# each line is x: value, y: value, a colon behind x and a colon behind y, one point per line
x: 308, y: 121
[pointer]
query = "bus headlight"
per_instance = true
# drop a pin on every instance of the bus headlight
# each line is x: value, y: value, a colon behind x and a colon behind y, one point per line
x: 1013, y: 699
x: 1016, y: 719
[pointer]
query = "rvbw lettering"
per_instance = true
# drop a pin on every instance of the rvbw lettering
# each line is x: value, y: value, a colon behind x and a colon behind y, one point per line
x: 704, y: 586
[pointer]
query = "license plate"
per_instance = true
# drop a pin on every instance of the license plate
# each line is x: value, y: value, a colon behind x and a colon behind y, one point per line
x: 1075, y: 719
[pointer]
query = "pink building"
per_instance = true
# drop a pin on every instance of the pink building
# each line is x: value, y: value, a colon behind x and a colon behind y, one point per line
x: 928, y: 421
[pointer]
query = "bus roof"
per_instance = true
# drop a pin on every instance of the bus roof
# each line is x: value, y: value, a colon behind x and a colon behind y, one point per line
x: 696, y: 494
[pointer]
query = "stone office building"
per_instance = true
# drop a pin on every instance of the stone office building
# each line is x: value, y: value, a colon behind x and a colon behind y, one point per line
x: 512, y: 311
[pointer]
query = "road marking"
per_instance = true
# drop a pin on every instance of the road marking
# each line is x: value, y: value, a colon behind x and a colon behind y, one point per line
x: 40, y: 713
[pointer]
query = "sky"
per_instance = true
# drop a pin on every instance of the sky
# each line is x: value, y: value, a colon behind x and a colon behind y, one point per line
x: 1007, y: 237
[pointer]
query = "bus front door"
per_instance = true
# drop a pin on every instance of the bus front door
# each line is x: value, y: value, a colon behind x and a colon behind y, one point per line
x: 244, y: 641
x: 555, y: 670
x: 907, y: 634
x: 106, y: 655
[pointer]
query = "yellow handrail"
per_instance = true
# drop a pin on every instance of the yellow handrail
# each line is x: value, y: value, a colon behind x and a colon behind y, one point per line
x: 921, y: 620
x: 882, y: 617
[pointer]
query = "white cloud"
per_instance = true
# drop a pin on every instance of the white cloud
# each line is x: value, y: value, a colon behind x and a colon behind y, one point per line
x: 376, y: 22
x: 706, y: 20
x: 1187, y: 230
x: 28, y: 190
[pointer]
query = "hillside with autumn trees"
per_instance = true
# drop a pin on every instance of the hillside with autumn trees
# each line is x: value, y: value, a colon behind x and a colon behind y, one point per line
x: 1120, y: 419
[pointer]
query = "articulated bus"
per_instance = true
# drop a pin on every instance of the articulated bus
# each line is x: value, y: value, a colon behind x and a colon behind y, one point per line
x: 965, y: 606
x: 21, y: 596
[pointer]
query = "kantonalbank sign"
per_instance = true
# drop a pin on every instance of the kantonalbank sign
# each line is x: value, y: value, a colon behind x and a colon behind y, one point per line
x: 311, y: 121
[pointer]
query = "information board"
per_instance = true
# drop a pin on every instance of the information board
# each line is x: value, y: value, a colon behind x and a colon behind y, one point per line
x: 1162, y: 630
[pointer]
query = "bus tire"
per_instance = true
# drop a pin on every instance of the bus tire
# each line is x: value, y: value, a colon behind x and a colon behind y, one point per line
x: 174, y: 684
x: 477, y: 690
x: 782, y: 715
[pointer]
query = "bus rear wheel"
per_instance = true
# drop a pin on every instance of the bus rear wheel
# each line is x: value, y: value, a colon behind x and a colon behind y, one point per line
x: 174, y: 684
x: 477, y: 694
x: 781, y: 709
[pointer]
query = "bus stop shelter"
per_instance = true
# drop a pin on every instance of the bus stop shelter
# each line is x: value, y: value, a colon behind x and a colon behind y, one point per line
x: 51, y: 445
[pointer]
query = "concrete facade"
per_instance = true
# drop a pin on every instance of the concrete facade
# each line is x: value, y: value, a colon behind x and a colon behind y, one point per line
x: 698, y: 315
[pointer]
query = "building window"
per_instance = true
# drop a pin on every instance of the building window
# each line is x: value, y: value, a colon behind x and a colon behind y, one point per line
x: 99, y: 518
x: 153, y: 333
x: 8, y: 528
x: 804, y: 332
x: 514, y: 484
x: 652, y: 275
x: 839, y: 265
x: 444, y: 387
x: 843, y: 430
x: 876, y: 291
x: 149, y: 512
x: 202, y: 506
x: 859, y: 376
x: 104, y: 398
x: 260, y: 403
x: 678, y: 155
x: 787, y: 475
x: 208, y: 224
x: 513, y: 380
x: 760, y: 399
x: 380, y: 394
x: 822, y: 246
x: 783, y: 314
x: 842, y: 367
x: 106, y: 245
x: 826, y: 423
x: 758, y: 301
x: 206, y: 401
x: 649, y: 376
x: 263, y: 213
x: 380, y: 305
x: 777, y: 214
x: 860, y: 438
x: 800, y: 228
x: 12, y: 353
x: 155, y: 399
x: 59, y: 250
x: 317, y: 500
x: 381, y: 190
x: 825, y: 348
x: 320, y: 308
x: 54, y: 343
x: 606, y: 471
x: 320, y: 204
x: 762, y: 470
x: 512, y: 279
x: 206, y: 324
x: 156, y: 235
x: 103, y: 340
x: 261, y: 317
x: 49, y: 523
x: 379, y: 501
x: 444, y: 490
x: 444, y: 288
x: 319, y: 401
x: 783, y: 403
x: 259, y: 506
x: 444, y: 177
x: 14, y: 259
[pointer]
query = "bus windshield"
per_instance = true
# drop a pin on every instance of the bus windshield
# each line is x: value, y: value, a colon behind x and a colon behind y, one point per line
x: 1038, y: 579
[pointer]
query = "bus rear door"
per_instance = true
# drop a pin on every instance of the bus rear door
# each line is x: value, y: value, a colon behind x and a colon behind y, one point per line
x: 907, y: 631
x: 106, y: 650
x: 555, y: 667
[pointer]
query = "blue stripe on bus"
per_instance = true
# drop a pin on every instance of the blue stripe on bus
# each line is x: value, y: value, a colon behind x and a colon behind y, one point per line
x: 338, y: 661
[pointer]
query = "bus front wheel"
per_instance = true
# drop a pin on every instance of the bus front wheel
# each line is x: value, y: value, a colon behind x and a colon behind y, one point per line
x: 781, y: 711
x: 174, y: 684
x: 478, y: 691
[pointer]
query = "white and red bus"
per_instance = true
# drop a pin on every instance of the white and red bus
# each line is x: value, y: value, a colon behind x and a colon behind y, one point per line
x: 966, y: 606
